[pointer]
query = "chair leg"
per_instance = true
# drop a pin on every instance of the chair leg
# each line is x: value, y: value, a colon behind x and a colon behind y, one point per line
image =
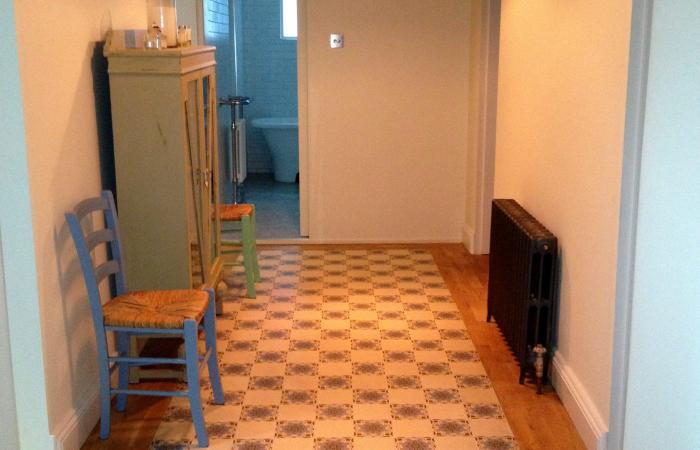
x: 134, y: 371
x: 105, y: 404
x: 210, y: 340
x: 123, y: 349
x: 105, y: 387
x: 254, y: 233
x: 192, y: 360
x: 248, y: 254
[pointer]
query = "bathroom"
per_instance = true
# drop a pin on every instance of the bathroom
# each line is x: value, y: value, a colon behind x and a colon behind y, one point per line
x: 257, y: 58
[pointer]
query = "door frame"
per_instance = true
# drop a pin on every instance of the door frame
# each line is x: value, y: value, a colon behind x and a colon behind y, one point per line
x: 640, y: 39
x: 20, y: 295
x: 486, y: 128
x: 305, y: 166
x: 305, y: 176
x: 8, y: 406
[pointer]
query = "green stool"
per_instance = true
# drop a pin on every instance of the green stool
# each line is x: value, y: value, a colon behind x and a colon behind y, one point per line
x: 243, y: 213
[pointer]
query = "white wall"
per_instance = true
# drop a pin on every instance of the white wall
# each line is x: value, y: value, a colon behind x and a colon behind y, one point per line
x: 56, y: 41
x: 387, y: 114
x: 483, y: 85
x: 559, y: 138
x: 664, y: 348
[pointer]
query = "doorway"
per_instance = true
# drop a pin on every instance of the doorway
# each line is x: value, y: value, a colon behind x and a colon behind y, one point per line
x: 257, y: 44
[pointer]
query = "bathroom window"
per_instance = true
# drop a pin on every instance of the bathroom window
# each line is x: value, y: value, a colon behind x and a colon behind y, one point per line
x: 289, y: 19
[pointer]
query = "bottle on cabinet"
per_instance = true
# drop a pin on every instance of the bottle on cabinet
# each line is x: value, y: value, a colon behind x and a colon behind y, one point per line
x: 154, y: 38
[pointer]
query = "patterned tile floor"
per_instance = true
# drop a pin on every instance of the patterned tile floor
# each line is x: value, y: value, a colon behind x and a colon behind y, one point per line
x: 344, y: 349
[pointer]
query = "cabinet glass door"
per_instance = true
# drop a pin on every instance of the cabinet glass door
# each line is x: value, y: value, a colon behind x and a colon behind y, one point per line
x: 194, y: 176
x: 211, y: 161
x: 202, y: 186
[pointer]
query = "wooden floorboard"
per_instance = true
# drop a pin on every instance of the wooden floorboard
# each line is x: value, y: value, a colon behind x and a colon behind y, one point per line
x: 539, y: 422
x: 135, y: 427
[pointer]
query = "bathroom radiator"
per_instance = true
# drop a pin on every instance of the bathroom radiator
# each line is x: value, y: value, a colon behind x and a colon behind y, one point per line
x: 239, y: 163
x: 522, y: 272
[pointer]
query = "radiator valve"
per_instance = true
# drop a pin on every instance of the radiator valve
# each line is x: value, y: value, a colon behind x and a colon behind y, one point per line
x: 539, y: 352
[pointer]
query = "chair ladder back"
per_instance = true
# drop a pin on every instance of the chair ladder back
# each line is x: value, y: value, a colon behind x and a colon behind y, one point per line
x: 85, y: 243
x: 91, y: 283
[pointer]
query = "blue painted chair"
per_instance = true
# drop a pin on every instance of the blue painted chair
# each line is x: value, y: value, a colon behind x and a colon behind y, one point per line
x: 141, y: 313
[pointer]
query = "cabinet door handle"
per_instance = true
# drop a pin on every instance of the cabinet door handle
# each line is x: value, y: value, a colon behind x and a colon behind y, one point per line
x: 206, y: 173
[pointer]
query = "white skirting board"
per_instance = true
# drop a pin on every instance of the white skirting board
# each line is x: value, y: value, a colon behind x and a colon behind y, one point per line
x: 359, y: 241
x: 75, y: 429
x: 584, y: 414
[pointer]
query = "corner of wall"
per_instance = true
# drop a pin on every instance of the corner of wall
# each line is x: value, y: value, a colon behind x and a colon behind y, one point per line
x: 586, y: 417
x: 468, y: 238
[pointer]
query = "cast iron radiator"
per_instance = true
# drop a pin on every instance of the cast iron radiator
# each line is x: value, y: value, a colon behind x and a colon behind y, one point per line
x: 522, y: 267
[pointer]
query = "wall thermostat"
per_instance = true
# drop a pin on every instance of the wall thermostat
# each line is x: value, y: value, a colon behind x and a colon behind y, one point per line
x: 337, y: 41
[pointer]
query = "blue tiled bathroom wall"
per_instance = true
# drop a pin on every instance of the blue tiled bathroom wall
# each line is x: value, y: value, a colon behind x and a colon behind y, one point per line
x: 267, y: 72
x: 218, y: 33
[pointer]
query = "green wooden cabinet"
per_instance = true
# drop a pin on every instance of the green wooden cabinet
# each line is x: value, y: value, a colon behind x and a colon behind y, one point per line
x: 166, y: 160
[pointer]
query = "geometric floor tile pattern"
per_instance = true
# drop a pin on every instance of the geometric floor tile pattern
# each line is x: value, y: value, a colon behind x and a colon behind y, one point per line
x: 344, y: 349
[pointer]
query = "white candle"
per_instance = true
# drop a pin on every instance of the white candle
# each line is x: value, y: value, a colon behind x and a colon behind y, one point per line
x: 163, y: 14
x: 170, y: 24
